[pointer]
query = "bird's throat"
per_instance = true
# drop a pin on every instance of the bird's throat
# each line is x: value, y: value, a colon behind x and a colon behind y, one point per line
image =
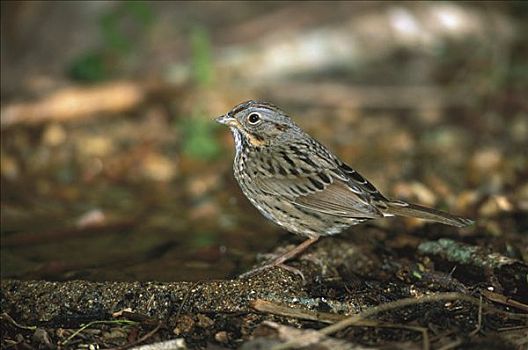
x: 249, y: 139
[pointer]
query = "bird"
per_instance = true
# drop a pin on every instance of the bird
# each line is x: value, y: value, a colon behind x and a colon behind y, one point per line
x: 298, y: 183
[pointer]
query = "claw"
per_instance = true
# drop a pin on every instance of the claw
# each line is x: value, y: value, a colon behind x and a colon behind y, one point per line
x: 281, y: 259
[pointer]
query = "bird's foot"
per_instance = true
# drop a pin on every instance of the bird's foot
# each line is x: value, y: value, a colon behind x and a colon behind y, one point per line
x: 293, y: 270
x: 282, y: 258
x: 271, y: 265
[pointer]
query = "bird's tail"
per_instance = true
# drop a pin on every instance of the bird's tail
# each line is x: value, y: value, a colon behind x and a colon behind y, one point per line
x: 417, y: 211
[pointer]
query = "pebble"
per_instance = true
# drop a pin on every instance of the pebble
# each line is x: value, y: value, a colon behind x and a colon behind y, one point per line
x: 222, y: 337
x: 495, y: 205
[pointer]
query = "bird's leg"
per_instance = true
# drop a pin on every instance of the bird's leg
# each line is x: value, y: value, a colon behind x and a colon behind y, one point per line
x: 281, y: 259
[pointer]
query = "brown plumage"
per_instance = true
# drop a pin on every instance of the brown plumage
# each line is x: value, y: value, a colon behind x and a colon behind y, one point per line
x: 296, y: 182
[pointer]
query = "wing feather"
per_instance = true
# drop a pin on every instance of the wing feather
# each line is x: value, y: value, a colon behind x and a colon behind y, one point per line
x: 334, y: 197
x: 310, y: 177
x: 338, y: 199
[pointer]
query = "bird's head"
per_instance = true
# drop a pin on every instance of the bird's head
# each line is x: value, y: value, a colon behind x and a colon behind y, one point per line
x: 257, y: 123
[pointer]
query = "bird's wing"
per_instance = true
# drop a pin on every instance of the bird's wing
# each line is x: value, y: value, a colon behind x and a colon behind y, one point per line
x: 321, y: 183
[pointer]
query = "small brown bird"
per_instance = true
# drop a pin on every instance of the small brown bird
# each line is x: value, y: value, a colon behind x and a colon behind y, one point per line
x: 296, y: 182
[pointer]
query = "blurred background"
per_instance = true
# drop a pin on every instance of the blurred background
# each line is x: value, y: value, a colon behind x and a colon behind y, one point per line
x: 113, y: 169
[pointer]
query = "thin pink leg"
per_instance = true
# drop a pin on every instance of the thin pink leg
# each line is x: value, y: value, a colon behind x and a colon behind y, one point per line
x: 281, y: 259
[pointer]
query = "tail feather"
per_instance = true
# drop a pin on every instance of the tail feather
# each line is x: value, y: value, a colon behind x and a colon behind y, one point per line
x: 417, y: 211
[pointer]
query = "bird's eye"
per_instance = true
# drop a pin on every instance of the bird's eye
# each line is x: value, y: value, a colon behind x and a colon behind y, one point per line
x: 253, y: 118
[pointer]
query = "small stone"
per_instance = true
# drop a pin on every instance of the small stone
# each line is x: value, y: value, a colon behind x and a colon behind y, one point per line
x: 41, y: 337
x: 484, y: 166
x: 120, y: 312
x: 486, y: 159
x: 204, y: 321
x: 495, y: 205
x: 424, y: 194
x: 415, y: 191
x: 184, y: 325
x: 222, y: 337
x: 91, y: 218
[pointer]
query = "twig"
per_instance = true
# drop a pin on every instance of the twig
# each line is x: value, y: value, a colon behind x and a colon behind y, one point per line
x: 74, y: 334
x: 353, y: 320
x: 281, y: 310
x: 185, y: 298
x: 142, y: 339
x: 6, y: 316
x: 408, y: 302
x: 514, y: 328
x: 479, y: 318
x: 502, y: 299
x: 308, y: 337
x: 324, y: 317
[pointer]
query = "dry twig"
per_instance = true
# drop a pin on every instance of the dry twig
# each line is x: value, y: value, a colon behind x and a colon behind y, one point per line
x: 355, y: 319
x: 268, y: 307
x: 502, y: 299
x: 142, y: 339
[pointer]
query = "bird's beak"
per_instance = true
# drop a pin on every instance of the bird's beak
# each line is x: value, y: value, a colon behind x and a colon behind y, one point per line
x: 226, y: 120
